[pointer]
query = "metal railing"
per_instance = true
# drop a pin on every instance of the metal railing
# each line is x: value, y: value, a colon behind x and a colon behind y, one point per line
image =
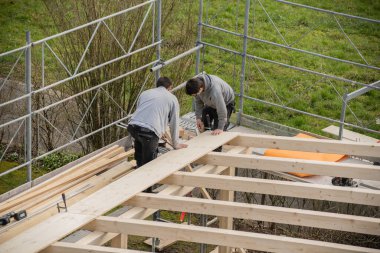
x: 156, y: 65
x: 244, y: 54
x: 29, y: 93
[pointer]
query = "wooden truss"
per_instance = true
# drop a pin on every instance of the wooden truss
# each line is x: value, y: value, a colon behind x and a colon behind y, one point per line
x: 216, y: 173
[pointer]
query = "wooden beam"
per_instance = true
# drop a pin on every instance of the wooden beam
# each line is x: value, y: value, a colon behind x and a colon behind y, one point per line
x: 41, y: 213
x: 60, y: 183
x: 150, y: 174
x: 276, y: 187
x: 361, y: 171
x: 309, y: 145
x: 99, y: 238
x: 226, y: 222
x: 222, y: 237
x: 325, y: 220
x: 42, y: 235
x: 114, y: 194
x: 64, y: 247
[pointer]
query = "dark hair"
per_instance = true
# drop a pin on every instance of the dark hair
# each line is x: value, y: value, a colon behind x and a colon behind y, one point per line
x: 193, y: 86
x: 164, y: 81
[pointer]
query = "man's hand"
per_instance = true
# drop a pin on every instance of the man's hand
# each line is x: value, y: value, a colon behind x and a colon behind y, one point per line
x: 217, y: 132
x: 200, y: 125
x: 181, y: 145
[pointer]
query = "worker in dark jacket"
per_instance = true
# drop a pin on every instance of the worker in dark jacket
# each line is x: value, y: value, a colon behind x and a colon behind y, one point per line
x: 156, y: 108
x: 214, y: 102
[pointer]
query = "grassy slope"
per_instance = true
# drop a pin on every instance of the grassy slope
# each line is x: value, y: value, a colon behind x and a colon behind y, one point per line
x: 307, y: 30
x: 17, y: 17
x: 294, y: 89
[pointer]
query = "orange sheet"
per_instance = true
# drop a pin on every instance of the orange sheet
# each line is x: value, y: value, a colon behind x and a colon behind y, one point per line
x: 303, y: 155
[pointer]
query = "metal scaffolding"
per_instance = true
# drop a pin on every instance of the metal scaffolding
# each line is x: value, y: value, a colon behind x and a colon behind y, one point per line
x: 154, y: 8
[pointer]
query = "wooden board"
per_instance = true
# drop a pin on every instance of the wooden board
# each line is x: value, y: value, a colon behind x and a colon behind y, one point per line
x: 112, y: 195
x: 275, y: 187
x: 223, y: 237
x: 99, y: 238
x: 325, y: 220
x: 361, y: 171
x: 349, y: 135
x: 310, y: 145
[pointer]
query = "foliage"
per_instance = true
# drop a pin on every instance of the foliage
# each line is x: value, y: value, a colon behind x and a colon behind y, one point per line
x: 56, y: 160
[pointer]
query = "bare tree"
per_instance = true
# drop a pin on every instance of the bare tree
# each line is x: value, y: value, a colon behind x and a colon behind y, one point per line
x: 103, y: 106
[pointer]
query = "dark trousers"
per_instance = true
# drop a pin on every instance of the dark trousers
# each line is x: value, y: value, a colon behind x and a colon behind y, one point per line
x: 210, y: 117
x: 145, y: 142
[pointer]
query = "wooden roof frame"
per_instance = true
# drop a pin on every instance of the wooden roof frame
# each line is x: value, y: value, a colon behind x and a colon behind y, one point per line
x: 88, y: 213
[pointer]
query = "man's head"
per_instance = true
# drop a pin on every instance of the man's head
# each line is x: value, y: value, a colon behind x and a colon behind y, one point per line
x: 164, y: 82
x: 194, y: 86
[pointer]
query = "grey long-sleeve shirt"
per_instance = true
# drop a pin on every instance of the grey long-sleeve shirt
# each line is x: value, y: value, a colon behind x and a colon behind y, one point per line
x: 156, y: 108
x: 217, y: 95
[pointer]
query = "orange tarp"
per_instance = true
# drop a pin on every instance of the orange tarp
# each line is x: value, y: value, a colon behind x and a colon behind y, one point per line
x: 303, y: 155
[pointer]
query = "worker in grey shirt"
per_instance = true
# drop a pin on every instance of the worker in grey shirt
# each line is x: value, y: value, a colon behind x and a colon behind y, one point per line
x: 156, y: 108
x: 214, y: 102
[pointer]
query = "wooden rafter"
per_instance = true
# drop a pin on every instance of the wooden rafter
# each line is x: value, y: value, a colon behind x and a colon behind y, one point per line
x: 361, y: 171
x: 276, y: 187
x: 293, y: 216
x: 127, y: 190
x: 223, y: 237
x: 306, y: 144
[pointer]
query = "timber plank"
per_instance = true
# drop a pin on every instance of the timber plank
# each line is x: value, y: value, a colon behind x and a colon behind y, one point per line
x: 42, y: 235
x: 100, y: 238
x: 361, y: 171
x: 40, y: 213
x: 309, y: 145
x: 62, y: 183
x: 64, y: 247
x: 149, y: 174
x: 293, y: 216
x: 275, y: 187
x: 222, y: 237
x: 112, y: 195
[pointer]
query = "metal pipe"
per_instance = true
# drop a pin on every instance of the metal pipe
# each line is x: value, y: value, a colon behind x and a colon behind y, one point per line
x: 223, y: 30
x: 199, y: 36
x: 294, y: 67
x: 329, y: 12
x: 158, y: 53
x: 244, y: 59
x: 43, y: 64
x: 79, y: 27
x: 313, y: 72
x: 64, y: 146
x: 312, y: 53
x: 221, y: 48
x: 78, y: 94
x: 140, y: 28
x: 291, y: 48
x: 80, y: 74
x: 162, y: 64
x: 342, y: 116
x: 87, y: 47
x: 311, y: 114
x: 28, y: 121
x: 363, y: 90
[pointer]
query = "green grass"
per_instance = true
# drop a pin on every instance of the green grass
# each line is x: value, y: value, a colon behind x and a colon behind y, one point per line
x: 307, y: 30
x: 15, y: 178
x: 303, y: 28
